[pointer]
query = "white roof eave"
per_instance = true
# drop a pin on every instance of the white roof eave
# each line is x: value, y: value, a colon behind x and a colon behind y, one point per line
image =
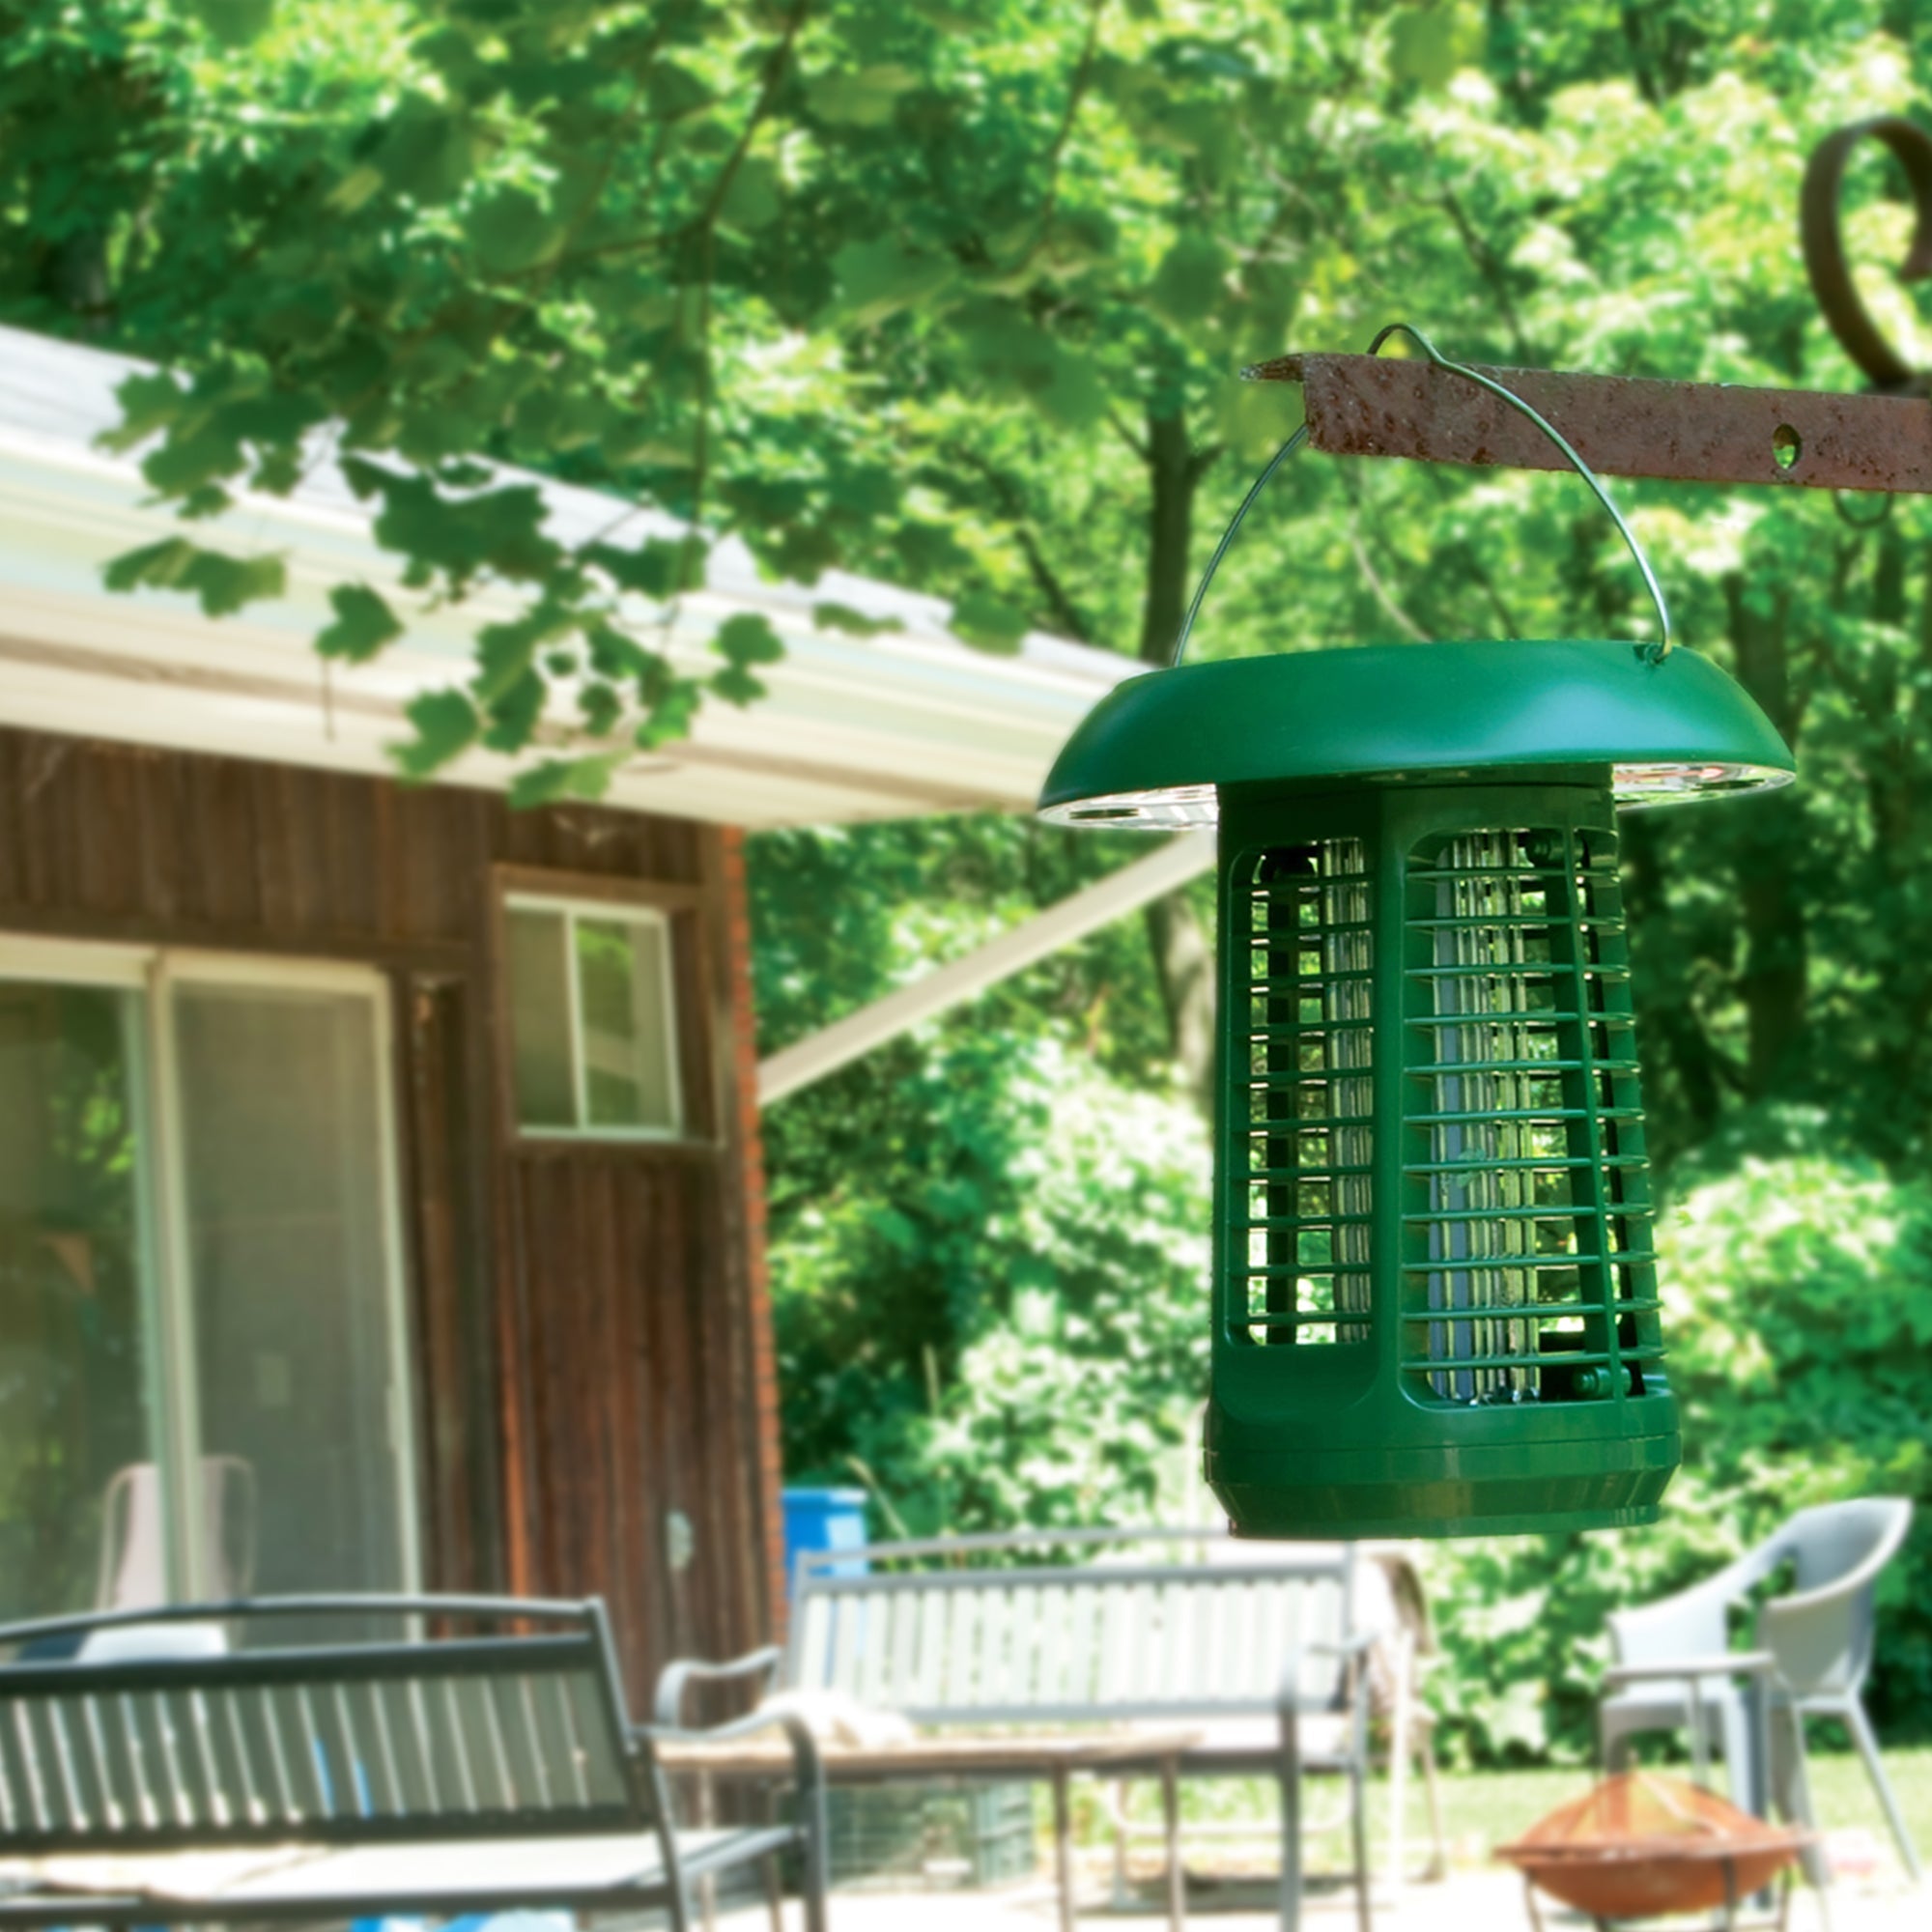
x: 897, y: 724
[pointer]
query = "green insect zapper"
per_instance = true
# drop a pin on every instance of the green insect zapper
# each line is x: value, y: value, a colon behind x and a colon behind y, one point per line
x: 1435, y: 1292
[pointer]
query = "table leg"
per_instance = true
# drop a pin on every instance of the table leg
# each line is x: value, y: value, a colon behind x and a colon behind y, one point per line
x: 707, y: 1818
x: 1063, y: 1847
x: 1170, y: 1818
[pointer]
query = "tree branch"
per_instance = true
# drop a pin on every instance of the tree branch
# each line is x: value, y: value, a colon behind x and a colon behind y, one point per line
x: 1012, y: 510
x: 1083, y: 73
x: 1490, y: 269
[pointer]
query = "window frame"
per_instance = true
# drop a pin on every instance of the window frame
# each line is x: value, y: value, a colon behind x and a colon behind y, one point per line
x: 147, y: 978
x: 670, y: 910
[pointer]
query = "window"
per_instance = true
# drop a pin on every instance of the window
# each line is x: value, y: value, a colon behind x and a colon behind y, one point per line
x: 593, y: 1029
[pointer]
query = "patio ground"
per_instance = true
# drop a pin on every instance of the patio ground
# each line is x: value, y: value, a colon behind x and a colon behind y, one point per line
x: 1466, y: 1902
x: 1871, y: 1893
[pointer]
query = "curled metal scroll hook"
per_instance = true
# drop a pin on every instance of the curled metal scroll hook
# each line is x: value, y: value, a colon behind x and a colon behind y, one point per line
x: 1824, y: 244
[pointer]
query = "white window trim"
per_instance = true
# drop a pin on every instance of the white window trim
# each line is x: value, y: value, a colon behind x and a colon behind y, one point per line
x: 623, y: 912
x: 152, y: 973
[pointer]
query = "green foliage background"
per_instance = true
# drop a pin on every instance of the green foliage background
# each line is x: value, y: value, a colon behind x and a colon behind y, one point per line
x: 953, y: 293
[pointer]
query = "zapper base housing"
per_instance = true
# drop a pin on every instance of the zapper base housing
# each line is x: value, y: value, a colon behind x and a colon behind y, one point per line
x: 1437, y: 1305
x: 1475, y: 1492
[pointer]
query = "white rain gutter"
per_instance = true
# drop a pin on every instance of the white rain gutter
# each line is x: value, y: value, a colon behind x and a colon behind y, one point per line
x: 1086, y: 911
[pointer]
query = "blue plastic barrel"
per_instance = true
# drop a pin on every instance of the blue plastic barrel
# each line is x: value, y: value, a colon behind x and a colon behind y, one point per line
x: 824, y: 1520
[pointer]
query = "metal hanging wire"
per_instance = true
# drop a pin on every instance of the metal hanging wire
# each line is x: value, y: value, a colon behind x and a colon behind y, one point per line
x: 1656, y: 651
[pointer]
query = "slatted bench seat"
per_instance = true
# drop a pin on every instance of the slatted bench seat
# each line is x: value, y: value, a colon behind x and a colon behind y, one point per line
x: 445, y: 1773
x: 973, y: 1633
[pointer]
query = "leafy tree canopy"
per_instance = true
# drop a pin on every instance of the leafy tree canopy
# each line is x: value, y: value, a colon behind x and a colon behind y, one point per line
x: 953, y: 293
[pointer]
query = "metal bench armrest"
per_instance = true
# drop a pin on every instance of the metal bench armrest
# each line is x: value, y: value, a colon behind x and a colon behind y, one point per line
x: 677, y: 1677
x: 1352, y: 1650
x: 808, y: 1766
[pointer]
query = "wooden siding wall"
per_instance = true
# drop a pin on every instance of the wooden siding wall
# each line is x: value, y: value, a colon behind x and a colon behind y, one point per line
x: 591, y: 1332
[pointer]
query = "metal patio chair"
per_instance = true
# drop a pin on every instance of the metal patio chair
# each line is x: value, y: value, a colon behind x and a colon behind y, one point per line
x: 1816, y: 1642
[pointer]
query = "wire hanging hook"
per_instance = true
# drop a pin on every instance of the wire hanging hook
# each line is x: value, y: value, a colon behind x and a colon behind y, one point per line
x: 1657, y: 652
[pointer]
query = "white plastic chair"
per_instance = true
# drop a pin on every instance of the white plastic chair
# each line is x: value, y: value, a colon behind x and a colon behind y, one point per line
x: 133, y: 1568
x: 1819, y: 1638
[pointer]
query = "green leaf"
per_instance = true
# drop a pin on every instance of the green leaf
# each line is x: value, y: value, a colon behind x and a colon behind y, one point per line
x: 1074, y: 397
x: 447, y: 722
x: 427, y: 152
x: 513, y: 231
x: 161, y: 564
x: 355, y: 189
x: 614, y: 655
x: 500, y: 531
x: 877, y: 278
x: 555, y: 778
x: 508, y: 649
x: 952, y: 17
x: 675, y: 92
x: 865, y: 98
x: 737, y: 686
x: 752, y: 201
x: 989, y: 623
x: 842, y: 617
x: 235, y: 22
x: 601, y: 707
x: 514, y: 711
x: 672, y: 708
x: 1429, y: 43
x: 223, y: 584
x: 364, y: 624
x: 658, y: 568
x: 208, y: 451
x: 1191, y: 281
x: 748, y: 640
x: 149, y: 402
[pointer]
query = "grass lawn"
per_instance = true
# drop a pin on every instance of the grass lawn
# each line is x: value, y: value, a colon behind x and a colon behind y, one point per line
x: 1481, y: 1810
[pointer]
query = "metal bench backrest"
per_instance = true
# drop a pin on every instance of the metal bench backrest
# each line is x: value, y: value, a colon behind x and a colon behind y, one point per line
x: 433, y: 1739
x: 1010, y: 1642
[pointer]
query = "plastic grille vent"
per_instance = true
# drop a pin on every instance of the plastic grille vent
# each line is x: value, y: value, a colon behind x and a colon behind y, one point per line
x: 1299, y: 1236
x: 1527, y: 1228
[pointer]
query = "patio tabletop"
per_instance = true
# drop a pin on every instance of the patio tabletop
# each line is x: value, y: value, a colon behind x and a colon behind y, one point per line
x: 970, y: 1754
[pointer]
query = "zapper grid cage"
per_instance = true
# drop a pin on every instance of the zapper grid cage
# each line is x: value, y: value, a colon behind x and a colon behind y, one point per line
x: 1525, y: 1249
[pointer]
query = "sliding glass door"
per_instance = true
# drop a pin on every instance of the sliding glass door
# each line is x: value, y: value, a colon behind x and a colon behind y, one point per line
x: 203, y: 1377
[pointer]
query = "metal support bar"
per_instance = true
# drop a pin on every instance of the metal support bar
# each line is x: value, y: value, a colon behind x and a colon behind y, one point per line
x: 1063, y: 1848
x: 1621, y: 425
x: 1099, y: 905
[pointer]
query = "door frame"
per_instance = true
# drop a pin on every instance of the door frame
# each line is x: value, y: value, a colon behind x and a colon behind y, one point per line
x: 151, y: 974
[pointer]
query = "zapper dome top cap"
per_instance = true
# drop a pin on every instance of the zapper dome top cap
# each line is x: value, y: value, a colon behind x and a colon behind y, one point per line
x: 1153, y: 753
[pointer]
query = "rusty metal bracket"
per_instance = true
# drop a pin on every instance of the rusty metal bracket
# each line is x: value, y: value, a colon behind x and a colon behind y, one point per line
x: 1824, y: 246
x: 1621, y: 425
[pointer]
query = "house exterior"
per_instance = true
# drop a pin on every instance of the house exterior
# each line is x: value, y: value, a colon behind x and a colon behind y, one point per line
x: 381, y: 1202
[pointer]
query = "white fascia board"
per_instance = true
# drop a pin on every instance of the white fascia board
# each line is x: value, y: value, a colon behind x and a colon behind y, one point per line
x: 895, y: 724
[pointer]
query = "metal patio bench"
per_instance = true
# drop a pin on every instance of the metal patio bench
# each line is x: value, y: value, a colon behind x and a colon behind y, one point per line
x: 481, y: 1771
x: 1123, y: 1666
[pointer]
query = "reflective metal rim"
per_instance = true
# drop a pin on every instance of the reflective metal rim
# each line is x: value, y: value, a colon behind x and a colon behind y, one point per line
x: 1195, y: 808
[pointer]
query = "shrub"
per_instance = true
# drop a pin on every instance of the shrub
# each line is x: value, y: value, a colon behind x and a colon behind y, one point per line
x: 1049, y: 1226
x: 1798, y: 1307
